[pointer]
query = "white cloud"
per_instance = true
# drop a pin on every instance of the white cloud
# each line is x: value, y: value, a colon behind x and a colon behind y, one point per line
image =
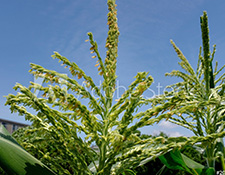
x: 168, y: 133
x: 174, y: 134
x: 155, y: 132
x: 166, y: 124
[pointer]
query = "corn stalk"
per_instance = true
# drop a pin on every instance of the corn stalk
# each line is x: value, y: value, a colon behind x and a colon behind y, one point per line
x: 197, y: 102
x: 58, y: 116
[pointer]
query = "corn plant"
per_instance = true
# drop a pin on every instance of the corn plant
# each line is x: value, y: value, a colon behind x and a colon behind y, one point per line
x: 197, y: 102
x: 58, y: 117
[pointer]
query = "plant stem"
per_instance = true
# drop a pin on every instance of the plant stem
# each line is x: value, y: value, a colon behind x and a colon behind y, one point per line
x: 222, y: 162
x: 210, y: 155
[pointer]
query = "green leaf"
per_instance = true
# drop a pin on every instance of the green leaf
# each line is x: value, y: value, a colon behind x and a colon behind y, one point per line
x: 177, y: 161
x: 173, y: 160
x: 15, y: 160
x: 208, y: 171
x: 195, y: 166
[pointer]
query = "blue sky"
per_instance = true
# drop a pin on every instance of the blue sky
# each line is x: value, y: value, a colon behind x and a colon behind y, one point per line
x: 31, y: 30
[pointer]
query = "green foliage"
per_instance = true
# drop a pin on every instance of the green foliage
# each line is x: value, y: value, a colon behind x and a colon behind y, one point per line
x: 197, y: 102
x: 44, y: 147
x: 15, y: 160
x: 155, y: 166
x: 59, y: 117
x: 175, y: 160
x: 2, y: 171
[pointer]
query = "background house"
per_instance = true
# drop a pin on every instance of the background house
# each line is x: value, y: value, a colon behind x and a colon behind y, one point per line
x: 12, y: 126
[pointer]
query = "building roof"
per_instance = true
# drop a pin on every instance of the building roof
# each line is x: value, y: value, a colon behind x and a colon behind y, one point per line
x: 13, y: 122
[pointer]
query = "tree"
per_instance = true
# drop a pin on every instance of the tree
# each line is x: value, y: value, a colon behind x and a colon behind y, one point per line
x: 197, y: 102
x: 59, y: 116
